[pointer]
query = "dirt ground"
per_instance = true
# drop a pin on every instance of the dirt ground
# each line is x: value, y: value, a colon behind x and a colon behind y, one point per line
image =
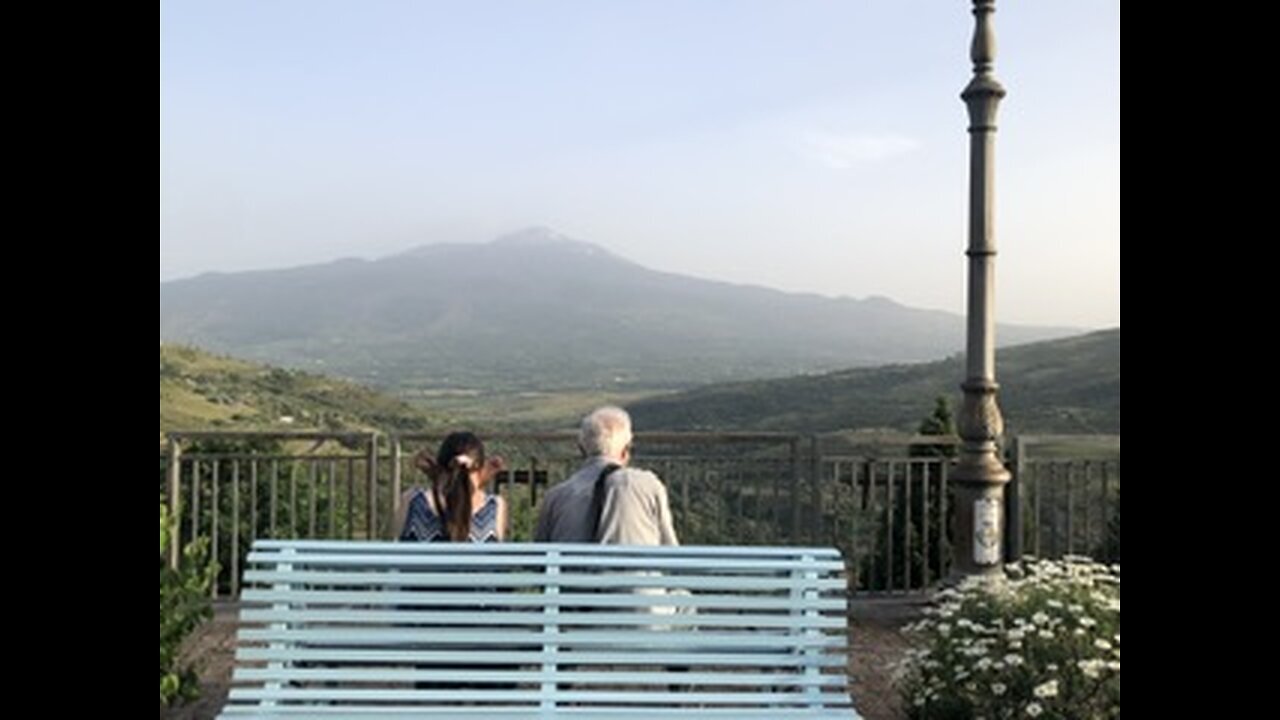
x: 875, y: 644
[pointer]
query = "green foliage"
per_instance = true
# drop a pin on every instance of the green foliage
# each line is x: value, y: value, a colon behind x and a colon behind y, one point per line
x: 939, y: 422
x: 184, y: 604
x: 1045, y: 643
x: 523, y: 516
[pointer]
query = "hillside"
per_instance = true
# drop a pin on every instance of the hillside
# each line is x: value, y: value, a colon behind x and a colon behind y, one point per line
x: 203, y: 391
x: 1069, y: 386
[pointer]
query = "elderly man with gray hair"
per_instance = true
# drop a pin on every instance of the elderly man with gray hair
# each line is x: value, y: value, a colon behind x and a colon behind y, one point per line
x: 606, y: 501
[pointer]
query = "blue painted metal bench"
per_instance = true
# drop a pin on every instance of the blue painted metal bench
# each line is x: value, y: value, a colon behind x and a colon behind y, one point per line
x: 515, y: 630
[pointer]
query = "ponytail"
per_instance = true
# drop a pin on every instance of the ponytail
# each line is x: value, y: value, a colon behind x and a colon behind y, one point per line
x: 457, y: 503
x: 459, y: 455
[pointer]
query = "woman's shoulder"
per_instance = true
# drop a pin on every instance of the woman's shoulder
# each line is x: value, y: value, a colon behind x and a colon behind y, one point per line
x: 417, y: 493
x: 492, y: 502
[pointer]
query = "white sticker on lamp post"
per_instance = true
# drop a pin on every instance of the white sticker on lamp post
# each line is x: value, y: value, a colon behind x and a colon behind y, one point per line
x: 986, y: 531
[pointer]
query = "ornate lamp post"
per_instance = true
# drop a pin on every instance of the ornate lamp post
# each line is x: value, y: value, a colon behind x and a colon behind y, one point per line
x: 980, y: 477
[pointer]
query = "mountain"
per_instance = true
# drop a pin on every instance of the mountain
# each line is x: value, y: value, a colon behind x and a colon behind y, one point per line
x: 537, y: 310
x: 1060, y: 386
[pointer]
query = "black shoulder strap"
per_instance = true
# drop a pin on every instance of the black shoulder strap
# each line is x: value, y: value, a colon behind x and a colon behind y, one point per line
x: 597, y: 498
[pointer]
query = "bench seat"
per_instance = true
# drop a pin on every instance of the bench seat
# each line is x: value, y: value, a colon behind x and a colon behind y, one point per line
x: 533, y: 630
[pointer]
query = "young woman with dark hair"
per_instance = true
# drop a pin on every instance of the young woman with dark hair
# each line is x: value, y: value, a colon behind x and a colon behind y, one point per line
x: 457, y: 507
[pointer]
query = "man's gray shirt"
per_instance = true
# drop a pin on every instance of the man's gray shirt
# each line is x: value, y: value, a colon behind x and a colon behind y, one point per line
x: 636, y: 510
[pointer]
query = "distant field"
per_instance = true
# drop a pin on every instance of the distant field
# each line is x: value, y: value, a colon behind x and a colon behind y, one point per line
x: 1050, y: 447
x: 519, y: 411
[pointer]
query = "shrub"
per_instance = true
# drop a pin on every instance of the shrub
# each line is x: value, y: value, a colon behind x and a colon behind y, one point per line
x: 184, y: 604
x: 1043, y: 643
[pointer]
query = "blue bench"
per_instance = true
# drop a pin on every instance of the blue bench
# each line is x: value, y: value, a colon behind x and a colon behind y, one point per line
x: 531, y: 630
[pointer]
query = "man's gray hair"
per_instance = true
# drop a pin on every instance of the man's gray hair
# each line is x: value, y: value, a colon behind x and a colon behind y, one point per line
x: 605, y: 432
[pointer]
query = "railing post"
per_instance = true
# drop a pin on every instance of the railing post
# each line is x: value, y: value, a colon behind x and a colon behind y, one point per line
x: 371, y: 473
x: 175, y: 500
x: 1013, y: 504
x: 394, y: 442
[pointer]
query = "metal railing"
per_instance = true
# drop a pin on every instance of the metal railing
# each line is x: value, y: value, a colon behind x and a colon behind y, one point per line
x: 884, y: 499
x: 1064, y: 500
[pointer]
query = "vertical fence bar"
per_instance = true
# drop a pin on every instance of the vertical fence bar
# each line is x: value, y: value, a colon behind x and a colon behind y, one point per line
x: 1068, y: 485
x: 869, y: 510
x: 907, y: 529
x: 213, y: 529
x: 533, y: 483
x: 1106, y: 505
x: 332, y: 534
x: 1013, y: 504
x: 1061, y: 479
x: 815, y: 496
x: 857, y: 558
x: 795, y: 490
x: 253, y: 499
x: 1039, y: 506
x: 890, y: 481
x: 685, y: 507
x: 775, y: 504
x: 351, y: 497
x: 235, y: 528
x: 195, y: 499
x: 1052, y: 524
x: 313, y: 493
x: 837, y: 496
x: 371, y: 474
x: 293, y: 498
x: 739, y: 490
x: 709, y: 481
x: 175, y: 501
x: 273, y: 502
x: 394, y: 450
x: 946, y: 525
x: 1084, y: 508
x: 925, y: 575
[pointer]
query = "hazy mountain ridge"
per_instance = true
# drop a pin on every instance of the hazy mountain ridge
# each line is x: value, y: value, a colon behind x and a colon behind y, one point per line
x: 538, y: 310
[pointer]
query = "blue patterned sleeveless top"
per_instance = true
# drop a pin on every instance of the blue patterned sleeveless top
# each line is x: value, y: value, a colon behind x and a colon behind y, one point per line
x: 422, y: 524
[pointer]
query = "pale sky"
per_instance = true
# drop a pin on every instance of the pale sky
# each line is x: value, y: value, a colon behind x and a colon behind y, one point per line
x: 805, y: 145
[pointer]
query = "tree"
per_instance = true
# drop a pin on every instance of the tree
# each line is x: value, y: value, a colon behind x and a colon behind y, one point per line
x: 939, y: 422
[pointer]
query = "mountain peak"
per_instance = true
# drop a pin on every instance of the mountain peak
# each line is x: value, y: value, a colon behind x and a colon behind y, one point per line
x: 534, y: 235
x: 539, y: 236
